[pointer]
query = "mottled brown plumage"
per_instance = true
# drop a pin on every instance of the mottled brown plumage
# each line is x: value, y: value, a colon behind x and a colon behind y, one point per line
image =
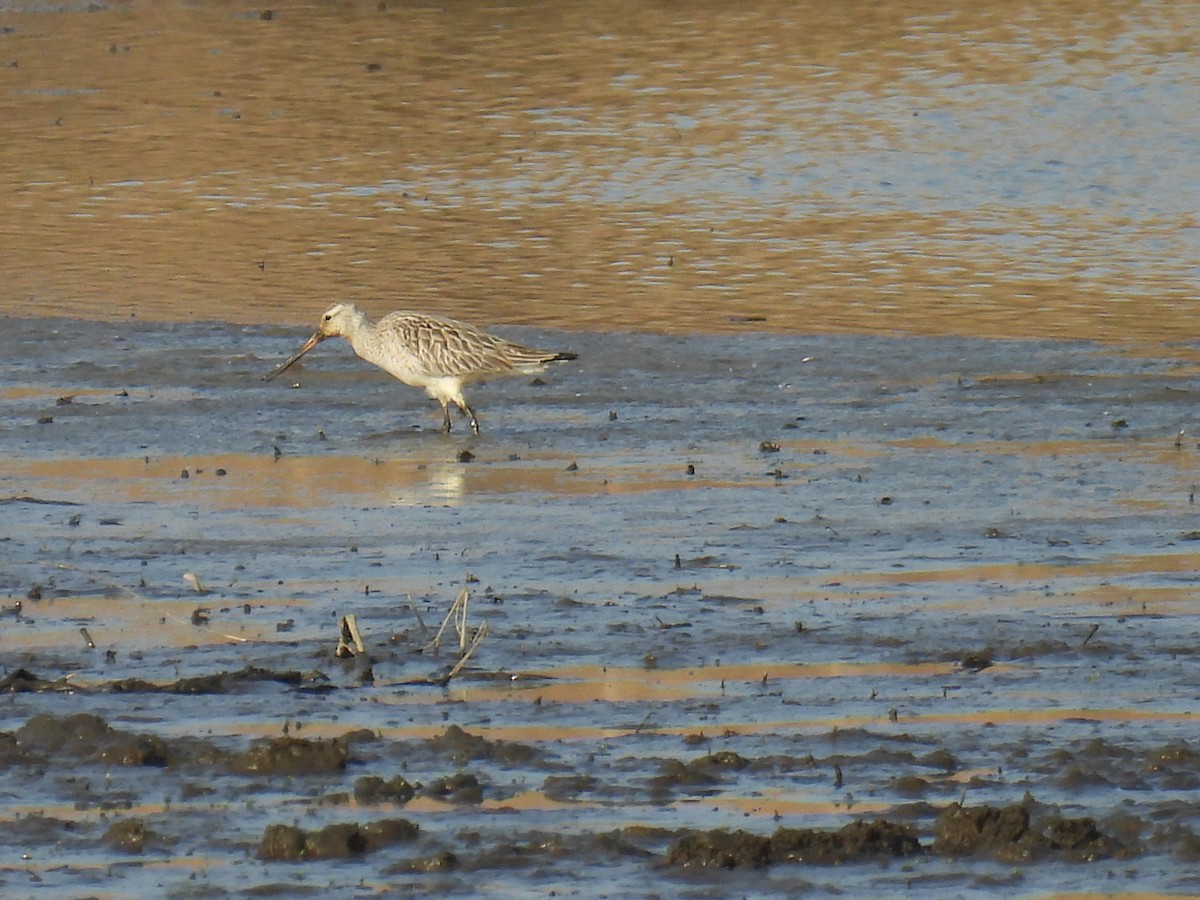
x: 430, y: 352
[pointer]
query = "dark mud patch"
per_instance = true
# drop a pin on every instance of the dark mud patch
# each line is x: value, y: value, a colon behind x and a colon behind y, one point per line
x: 460, y: 788
x: 340, y: 840
x: 22, y: 680
x: 535, y: 850
x: 291, y: 756
x: 373, y: 790
x: 976, y: 660
x: 132, y: 836
x: 217, y: 683
x: 459, y: 747
x: 699, y: 776
x: 86, y: 737
x: 1003, y: 833
x: 1008, y: 834
x: 1023, y: 834
x: 37, y: 829
x: 857, y: 841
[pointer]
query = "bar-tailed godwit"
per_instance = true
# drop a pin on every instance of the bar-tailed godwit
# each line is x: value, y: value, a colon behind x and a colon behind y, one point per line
x: 430, y: 352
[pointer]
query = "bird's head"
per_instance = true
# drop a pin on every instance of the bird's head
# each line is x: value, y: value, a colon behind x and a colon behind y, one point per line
x: 339, y: 319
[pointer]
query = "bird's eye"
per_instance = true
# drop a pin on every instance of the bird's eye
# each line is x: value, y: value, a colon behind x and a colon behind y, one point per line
x: 328, y: 317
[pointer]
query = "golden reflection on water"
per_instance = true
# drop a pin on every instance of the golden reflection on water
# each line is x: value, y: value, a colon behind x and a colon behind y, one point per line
x: 550, y: 732
x: 1042, y: 572
x: 241, y: 481
x: 590, y: 684
x: 704, y: 166
x: 134, y: 623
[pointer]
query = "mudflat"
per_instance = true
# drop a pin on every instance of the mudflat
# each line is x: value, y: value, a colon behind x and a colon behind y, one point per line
x: 854, y: 555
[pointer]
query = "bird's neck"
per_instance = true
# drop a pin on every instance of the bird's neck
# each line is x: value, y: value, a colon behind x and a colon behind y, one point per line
x: 361, y: 335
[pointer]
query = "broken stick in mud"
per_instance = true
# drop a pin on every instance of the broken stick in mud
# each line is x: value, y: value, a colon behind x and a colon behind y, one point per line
x: 348, y: 632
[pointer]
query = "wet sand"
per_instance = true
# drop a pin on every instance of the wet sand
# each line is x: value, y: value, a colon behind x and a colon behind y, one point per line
x: 854, y: 556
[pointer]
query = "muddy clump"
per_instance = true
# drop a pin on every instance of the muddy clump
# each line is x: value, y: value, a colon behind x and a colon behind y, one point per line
x: 1177, y: 763
x: 20, y: 681
x: 941, y: 759
x: 699, y: 776
x: 282, y: 842
x: 89, y: 737
x: 984, y: 829
x: 11, y: 751
x: 371, y: 790
x: 722, y: 760
x: 910, y: 786
x: 35, y: 829
x: 70, y: 734
x: 1081, y: 839
x: 1007, y: 834
x: 676, y: 775
x: 858, y: 840
x: 460, y: 789
x: 341, y: 840
x: 569, y: 787
x: 976, y: 660
x: 218, y: 683
x: 291, y: 756
x: 132, y: 836
x: 442, y: 861
x: 720, y: 850
x: 460, y: 747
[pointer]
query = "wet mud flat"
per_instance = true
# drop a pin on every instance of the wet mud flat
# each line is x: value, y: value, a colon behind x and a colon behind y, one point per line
x: 764, y: 615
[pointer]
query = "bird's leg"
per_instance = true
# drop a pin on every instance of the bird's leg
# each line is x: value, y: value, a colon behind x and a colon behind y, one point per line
x: 471, y: 413
x: 445, y: 417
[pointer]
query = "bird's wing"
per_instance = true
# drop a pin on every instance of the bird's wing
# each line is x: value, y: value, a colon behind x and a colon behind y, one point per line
x: 445, y: 347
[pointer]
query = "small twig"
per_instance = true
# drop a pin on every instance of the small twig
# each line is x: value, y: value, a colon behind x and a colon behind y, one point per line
x: 480, y: 634
x: 352, y: 624
x: 347, y: 632
x: 461, y: 622
x: 1091, y: 633
x: 436, y: 643
x: 417, y: 613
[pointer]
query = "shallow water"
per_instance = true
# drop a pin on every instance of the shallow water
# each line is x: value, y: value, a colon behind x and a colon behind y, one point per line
x: 928, y: 167
x: 872, y: 491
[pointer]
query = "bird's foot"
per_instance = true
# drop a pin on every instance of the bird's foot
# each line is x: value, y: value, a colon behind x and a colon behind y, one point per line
x: 470, y: 414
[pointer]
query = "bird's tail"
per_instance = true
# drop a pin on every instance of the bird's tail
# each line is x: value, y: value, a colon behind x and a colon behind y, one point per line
x: 529, y: 361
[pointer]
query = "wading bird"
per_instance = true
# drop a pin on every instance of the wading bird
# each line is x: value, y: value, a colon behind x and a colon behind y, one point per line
x: 430, y: 352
